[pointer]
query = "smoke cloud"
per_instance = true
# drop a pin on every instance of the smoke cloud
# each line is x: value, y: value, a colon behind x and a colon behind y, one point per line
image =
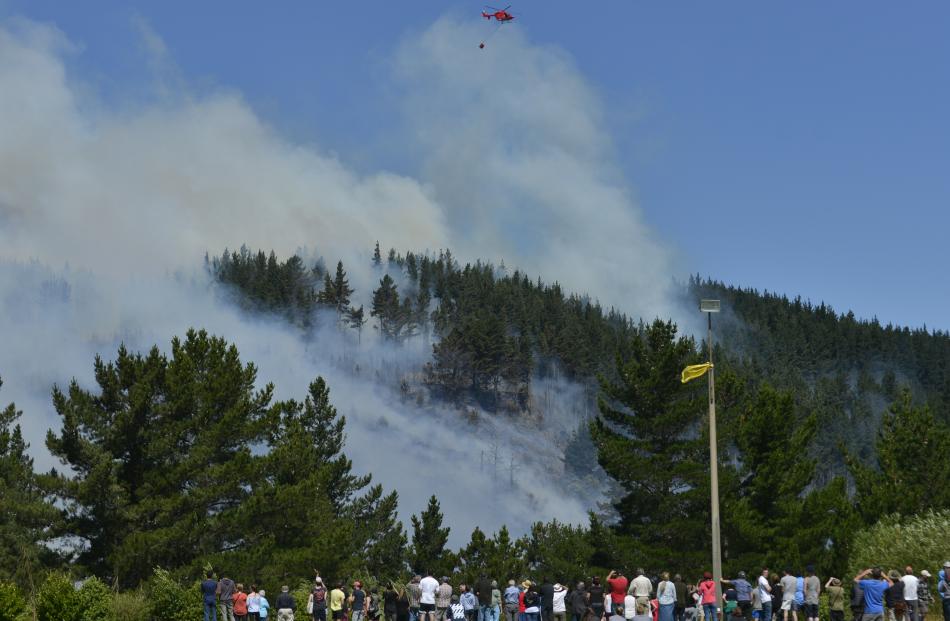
x: 106, y: 213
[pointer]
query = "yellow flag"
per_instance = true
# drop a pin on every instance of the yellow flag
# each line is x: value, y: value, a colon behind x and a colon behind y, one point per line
x: 695, y: 370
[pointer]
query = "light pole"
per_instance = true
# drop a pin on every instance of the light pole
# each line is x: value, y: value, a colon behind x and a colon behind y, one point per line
x: 709, y: 307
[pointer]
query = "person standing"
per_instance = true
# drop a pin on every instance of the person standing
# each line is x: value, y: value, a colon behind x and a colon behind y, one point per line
x: 209, y: 593
x: 389, y: 602
x: 443, y: 598
x: 337, y: 598
x: 595, y: 598
x: 943, y: 589
x: 707, y: 594
x: 873, y: 590
x: 318, y: 601
x: 857, y: 602
x: 495, y: 601
x: 617, y: 585
x: 910, y: 594
x: 428, y: 587
x: 765, y: 594
x: 511, y: 596
x: 547, y: 596
x: 483, y: 593
x: 286, y: 606
x: 414, y: 593
x: 240, y: 603
x: 358, y: 599
x: 666, y: 597
x: 402, y: 606
x: 789, y: 586
x: 743, y: 594
x: 577, y: 602
x: 532, y: 602
x: 924, y: 597
x: 253, y: 604
x: 469, y: 602
x: 835, y: 599
x: 680, y: 607
x: 558, y: 603
x: 894, y: 597
x: 641, y: 588
x: 812, y: 593
x: 226, y: 597
x: 264, y: 605
x: 456, y: 611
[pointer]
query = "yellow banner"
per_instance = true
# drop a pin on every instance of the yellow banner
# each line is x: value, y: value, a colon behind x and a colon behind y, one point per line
x: 695, y: 370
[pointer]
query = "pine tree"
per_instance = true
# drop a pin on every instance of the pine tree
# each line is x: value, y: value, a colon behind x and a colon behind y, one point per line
x: 328, y: 297
x: 159, y: 457
x: 428, y: 553
x: 650, y: 439
x: 341, y: 289
x: 386, y: 307
x: 356, y: 317
x: 911, y: 455
x: 28, y: 518
x: 377, y: 257
x: 775, y: 515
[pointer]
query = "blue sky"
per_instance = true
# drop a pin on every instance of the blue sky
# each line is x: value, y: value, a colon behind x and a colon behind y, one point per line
x: 797, y: 147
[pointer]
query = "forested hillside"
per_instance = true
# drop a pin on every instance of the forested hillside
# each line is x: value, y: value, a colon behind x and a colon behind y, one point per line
x: 810, y: 401
x: 827, y: 425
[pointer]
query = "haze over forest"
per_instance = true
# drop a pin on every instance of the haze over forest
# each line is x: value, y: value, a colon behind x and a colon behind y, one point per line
x: 505, y: 311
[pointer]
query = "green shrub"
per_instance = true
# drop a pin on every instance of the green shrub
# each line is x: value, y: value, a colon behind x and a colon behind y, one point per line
x: 95, y: 600
x: 897, y: 541
x: 132, y: 606
x: 12, y: 603
x: 58, y: 600
x: 170, y: 601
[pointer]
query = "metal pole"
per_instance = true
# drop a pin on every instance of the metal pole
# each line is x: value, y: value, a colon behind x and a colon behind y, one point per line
x: 714, y: 472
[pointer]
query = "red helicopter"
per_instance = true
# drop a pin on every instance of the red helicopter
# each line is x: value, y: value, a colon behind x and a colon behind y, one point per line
x: 500, y: 15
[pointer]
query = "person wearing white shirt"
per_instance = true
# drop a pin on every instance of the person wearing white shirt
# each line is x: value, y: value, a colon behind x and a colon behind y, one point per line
x: 428, y: 586
x: 910, y: 594
x: 629, y: 606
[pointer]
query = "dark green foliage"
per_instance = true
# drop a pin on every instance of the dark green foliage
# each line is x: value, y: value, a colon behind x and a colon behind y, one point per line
x: 561, y: 550
x: 911, y: 463
x: 773, y: 512
x: 165, y: 475
x: 161, y: 455
x: 790, y: 340
x: 427, y: 553
x: 650, y: 440
x: 387, y: 309
x: 28, y: 517
x: 266, y: 285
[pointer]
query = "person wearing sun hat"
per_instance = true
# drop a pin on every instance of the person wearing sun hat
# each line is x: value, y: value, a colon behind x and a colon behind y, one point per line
x: 924, y: 597
x: 558, y: 605
x: 835, y: 599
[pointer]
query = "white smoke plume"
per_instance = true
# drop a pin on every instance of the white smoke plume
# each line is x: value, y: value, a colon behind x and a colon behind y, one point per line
x: 105, y: 215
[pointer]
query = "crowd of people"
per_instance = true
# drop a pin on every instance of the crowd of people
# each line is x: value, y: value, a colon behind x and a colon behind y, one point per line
x: 875, y: 595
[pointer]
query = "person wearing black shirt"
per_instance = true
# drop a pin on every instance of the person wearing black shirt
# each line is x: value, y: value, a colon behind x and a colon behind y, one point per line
x: 596, y: 597
x: 389, y: 603
x: 547, y: 599
x: 577, y: 602
x: 285, y: 604
x: 680, y: 605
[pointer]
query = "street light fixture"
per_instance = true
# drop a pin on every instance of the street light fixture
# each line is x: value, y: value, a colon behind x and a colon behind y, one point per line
x: 709, y: 307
